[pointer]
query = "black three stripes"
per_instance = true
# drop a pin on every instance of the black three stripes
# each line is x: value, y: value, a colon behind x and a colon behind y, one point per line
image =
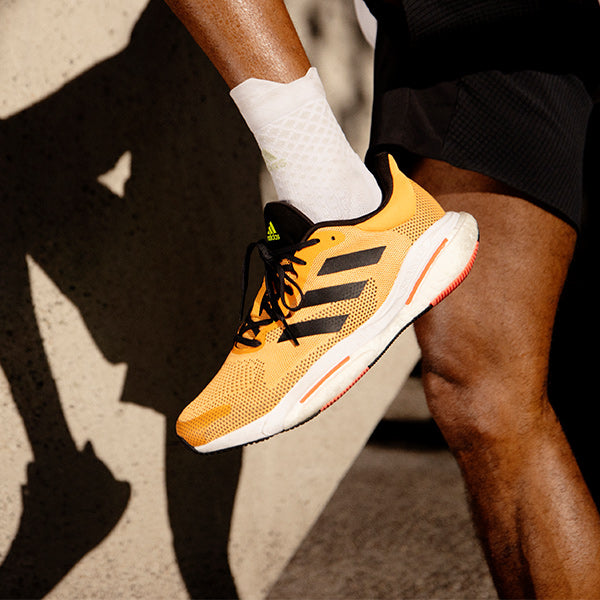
x: 345, y: 262
x: 313, y: 327
x: 334, y: 293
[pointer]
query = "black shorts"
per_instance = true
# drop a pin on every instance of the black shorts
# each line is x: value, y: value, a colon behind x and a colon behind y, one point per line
x: 485, y: 86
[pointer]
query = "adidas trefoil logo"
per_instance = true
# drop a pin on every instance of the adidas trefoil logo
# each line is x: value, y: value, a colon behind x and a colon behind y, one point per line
x: 272, y: 235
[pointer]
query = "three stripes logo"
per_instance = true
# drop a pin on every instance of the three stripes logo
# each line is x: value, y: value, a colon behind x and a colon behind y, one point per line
x: 272, y: 235
x: 334, y: 293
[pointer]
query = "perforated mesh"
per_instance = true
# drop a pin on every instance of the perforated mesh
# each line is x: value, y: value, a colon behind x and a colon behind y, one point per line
x: 427, y: 213
x: 253, y: 381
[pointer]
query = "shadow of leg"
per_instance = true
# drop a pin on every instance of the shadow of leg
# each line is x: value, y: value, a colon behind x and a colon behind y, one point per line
x: 201, y: 496
x: 150, y: 272
x: 71, y: 500
x: 58, y: 529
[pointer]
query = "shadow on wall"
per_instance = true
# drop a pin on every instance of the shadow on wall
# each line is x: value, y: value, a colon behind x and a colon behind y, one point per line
x: 154, y: 274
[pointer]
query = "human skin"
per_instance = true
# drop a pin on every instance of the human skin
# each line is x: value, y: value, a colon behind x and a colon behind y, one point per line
x: 485, y: 362
x: 485, y: 348
x: 245, y: 38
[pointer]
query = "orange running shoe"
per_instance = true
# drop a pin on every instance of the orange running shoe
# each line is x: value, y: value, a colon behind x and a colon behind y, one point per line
x: 334, y: 297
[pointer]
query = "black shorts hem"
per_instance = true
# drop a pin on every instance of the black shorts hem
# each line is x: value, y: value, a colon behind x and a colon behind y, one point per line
x: 525, y: 129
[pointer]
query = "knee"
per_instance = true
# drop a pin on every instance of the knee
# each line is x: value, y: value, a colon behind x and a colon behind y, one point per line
x: 483, y: 393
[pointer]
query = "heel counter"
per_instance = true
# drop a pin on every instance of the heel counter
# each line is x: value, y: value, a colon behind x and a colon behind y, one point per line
x: 428, y: 211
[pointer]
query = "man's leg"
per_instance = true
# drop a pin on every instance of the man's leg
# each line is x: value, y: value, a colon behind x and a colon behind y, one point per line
x: 485, y: 354
x: 255, y: 47
x: 244, y: 39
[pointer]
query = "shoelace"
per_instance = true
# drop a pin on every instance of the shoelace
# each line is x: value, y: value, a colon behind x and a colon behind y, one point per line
x: 279, y: 282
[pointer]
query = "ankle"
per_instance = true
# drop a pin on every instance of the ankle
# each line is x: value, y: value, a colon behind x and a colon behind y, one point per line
x: 308, y: 156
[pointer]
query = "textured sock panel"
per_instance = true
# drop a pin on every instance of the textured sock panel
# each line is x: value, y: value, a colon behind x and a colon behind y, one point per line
x: 306, y: 152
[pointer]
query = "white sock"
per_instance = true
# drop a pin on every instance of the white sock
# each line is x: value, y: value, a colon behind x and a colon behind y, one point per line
x: 308, y: 156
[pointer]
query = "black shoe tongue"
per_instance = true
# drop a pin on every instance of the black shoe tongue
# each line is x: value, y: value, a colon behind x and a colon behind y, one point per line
x: 285, y: 225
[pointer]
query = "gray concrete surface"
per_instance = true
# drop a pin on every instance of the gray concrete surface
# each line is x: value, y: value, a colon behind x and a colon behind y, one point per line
x: 398, y: 525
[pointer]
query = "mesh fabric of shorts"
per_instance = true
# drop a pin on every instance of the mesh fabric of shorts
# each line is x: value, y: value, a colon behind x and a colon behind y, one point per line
x: 501, y: 87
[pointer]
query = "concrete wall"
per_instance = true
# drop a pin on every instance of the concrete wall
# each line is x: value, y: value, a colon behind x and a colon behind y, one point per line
x: 129, y: 188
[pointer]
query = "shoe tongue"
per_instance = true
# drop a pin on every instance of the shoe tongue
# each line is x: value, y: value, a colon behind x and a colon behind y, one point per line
x: 285, y: 225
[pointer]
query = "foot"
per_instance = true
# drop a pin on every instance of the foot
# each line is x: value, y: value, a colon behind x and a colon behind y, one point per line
x: 334, y: 297
x: 68, y: 509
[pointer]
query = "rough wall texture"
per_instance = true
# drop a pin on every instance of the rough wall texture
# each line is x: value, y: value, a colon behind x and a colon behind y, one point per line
x: 129, y: 188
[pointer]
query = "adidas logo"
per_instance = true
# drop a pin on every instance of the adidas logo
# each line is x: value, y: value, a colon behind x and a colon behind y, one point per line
x: 273, y: 163
x: 272, y: 235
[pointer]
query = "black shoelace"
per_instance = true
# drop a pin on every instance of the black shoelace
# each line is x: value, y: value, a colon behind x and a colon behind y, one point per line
x: 279, y: 282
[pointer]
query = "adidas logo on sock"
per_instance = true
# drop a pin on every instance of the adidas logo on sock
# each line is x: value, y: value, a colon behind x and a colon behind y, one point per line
x: 273, y: 163
x: 272, y: 235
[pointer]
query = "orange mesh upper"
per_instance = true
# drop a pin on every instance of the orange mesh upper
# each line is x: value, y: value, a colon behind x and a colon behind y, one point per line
x: 253, y: 380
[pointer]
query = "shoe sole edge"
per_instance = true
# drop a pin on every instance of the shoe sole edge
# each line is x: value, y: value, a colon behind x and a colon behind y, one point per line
x: 434, y: 266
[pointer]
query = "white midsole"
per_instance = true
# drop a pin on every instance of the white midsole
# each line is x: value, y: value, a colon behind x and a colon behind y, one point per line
x: 363, y: 346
